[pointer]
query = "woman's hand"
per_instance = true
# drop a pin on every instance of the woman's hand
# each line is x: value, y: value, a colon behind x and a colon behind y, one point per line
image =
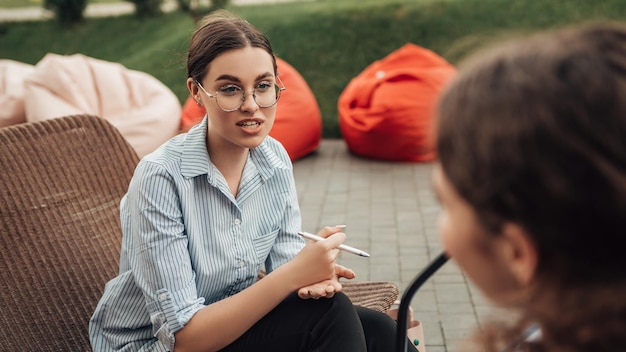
x: 327, y: 288
x: 316, y: 261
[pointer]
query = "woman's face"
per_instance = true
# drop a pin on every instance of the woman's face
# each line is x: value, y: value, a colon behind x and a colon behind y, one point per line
x: 230, y: 73
x: 479, y: 254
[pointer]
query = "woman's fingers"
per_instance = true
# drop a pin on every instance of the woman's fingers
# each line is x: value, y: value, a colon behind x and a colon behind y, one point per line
x: 323, y: 289
x: 329, y: 230
x: 333, y: 241
x: 342, y: 271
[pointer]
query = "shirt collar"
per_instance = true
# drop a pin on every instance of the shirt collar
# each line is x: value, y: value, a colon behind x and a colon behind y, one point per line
x: 266, y: 159
x: 195, y: 159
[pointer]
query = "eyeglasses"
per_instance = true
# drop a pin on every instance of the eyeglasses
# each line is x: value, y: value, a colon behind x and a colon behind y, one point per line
x: 230, y: 97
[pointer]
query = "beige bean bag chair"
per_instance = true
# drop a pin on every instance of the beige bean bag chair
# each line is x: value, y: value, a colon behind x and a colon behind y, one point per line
x: 12, y: 75
x: 144, y: 110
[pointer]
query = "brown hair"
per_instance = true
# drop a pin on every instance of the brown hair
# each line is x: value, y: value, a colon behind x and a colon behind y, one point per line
x: 534, y: 133
x: 217, y: 33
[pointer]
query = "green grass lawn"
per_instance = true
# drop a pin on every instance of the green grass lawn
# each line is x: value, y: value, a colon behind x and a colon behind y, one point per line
x: 19, y: 3
x: 38, y: 3
x: 328, y: 41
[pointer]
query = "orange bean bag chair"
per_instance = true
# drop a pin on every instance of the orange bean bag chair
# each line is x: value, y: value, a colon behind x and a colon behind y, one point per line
x: 298, y: 124
x: 386, y: 111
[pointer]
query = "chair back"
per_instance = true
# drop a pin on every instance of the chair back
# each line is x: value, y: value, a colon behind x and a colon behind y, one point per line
x: 407, y: 297
x: 61, y: 181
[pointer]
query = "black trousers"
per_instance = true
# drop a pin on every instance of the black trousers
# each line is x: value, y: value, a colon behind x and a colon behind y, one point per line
x: 323, y: 325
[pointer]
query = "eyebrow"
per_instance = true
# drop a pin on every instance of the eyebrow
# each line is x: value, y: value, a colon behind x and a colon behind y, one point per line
x: 236, y: 79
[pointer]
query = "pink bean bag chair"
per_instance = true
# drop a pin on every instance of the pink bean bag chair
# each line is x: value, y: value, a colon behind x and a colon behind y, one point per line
x: 12, y: 76
x: 386, y: 111
x: 298, y: 124
x: 144, y: 110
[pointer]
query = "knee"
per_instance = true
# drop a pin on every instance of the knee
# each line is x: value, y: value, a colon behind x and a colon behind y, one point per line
x: 341, y: 300
x: 339, y: 304
x: 374, y: 321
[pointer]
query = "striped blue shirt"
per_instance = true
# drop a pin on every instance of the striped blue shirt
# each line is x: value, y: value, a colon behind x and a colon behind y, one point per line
x: 188, y: 242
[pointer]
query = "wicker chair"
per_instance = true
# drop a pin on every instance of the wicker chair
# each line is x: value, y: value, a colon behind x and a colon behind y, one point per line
x: 62, y: 180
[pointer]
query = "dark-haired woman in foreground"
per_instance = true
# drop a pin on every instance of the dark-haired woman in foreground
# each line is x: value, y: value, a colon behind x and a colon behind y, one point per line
x: 532, y: 182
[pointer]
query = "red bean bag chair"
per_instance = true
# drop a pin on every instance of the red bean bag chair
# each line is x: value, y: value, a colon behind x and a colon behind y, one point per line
x: 298, y: 124
x: 386, y: 111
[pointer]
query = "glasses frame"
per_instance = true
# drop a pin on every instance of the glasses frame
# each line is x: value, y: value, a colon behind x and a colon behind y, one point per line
x: 281, y: 87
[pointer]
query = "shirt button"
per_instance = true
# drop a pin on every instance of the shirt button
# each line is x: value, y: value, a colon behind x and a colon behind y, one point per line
x: 242, y: 264
x: 237, y: 221
x: 162, y: 297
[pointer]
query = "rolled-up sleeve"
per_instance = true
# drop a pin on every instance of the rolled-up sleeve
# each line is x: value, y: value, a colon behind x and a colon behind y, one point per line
x: 159, y: 257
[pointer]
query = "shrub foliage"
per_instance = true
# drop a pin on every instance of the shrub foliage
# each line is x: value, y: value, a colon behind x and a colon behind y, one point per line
x: 147, y: 8
x: 67, y: 12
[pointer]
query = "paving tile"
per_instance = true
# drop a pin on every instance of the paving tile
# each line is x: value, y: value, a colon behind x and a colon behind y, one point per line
x: 432, y: 348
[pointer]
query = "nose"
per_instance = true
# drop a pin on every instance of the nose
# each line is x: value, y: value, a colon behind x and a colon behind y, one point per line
x: 249, y: 104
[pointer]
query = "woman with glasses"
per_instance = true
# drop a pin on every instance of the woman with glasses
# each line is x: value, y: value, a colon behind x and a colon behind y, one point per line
x: 532, y: 182
x: 209, y: 209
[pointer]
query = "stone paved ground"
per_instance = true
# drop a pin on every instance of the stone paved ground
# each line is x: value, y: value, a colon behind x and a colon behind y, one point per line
x: 391, y: 212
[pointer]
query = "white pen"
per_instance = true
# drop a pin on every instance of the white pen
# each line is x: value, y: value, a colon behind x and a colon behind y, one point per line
x: 343, y: 247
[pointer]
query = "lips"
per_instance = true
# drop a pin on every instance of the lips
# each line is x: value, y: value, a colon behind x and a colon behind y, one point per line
x: 252, y: 123
x: 249, y: 124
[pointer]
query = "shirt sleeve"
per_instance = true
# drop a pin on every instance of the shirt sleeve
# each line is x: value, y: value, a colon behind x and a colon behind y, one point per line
x: 158, y: 256
x: 288, y: 243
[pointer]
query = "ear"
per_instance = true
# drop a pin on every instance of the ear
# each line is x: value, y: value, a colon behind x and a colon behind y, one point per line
x: 193, y: 88
x: 519, y: 252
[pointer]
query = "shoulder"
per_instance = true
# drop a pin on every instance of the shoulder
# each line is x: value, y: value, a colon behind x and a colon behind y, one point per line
x: 164, y: 160
x: 172, y: 149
